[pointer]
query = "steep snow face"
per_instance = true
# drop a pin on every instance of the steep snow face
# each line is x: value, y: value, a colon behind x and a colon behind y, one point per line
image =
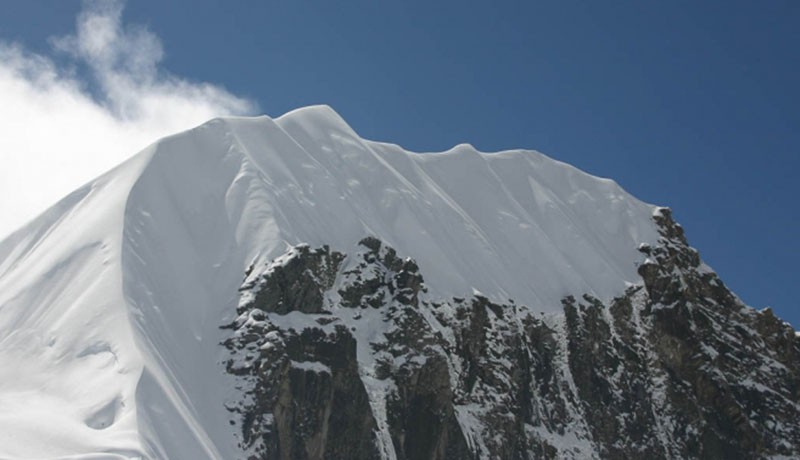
x: 515, y: 224
x: 111, y: 302
x: 69, y: 363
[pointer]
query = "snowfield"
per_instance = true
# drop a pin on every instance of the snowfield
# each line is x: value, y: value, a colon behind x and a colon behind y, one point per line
x: 111, y: 302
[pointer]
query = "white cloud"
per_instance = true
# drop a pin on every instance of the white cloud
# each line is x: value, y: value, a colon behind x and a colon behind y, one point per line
x: 58, y: 132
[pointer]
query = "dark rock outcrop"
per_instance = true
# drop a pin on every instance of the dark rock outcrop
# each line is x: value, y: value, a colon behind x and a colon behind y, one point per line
x: 299, y: 284
x: 348, y: 358
x: 302, y: 394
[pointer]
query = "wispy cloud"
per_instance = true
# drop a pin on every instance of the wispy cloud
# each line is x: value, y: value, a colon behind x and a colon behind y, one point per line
x: 58, y: 130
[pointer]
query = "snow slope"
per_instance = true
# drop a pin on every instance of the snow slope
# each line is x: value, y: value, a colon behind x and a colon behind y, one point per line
x: 111, y: 302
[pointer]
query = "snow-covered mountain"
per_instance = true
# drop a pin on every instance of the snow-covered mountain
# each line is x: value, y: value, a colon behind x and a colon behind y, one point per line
x: 282, y: 288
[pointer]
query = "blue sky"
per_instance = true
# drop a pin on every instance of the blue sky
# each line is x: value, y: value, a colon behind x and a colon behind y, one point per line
x: 692, y: 105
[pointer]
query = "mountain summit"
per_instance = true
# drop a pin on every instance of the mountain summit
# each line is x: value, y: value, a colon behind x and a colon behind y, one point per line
x: 263, y: 288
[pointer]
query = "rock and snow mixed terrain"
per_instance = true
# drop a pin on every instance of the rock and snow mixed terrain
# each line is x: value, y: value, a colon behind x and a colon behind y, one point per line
x: 282, y: 288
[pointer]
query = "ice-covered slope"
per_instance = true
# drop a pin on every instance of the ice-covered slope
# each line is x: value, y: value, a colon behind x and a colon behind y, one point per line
x: 111, y: 302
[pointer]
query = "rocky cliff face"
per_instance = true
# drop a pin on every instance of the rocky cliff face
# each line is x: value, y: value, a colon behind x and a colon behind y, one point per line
x: 347, y: 357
